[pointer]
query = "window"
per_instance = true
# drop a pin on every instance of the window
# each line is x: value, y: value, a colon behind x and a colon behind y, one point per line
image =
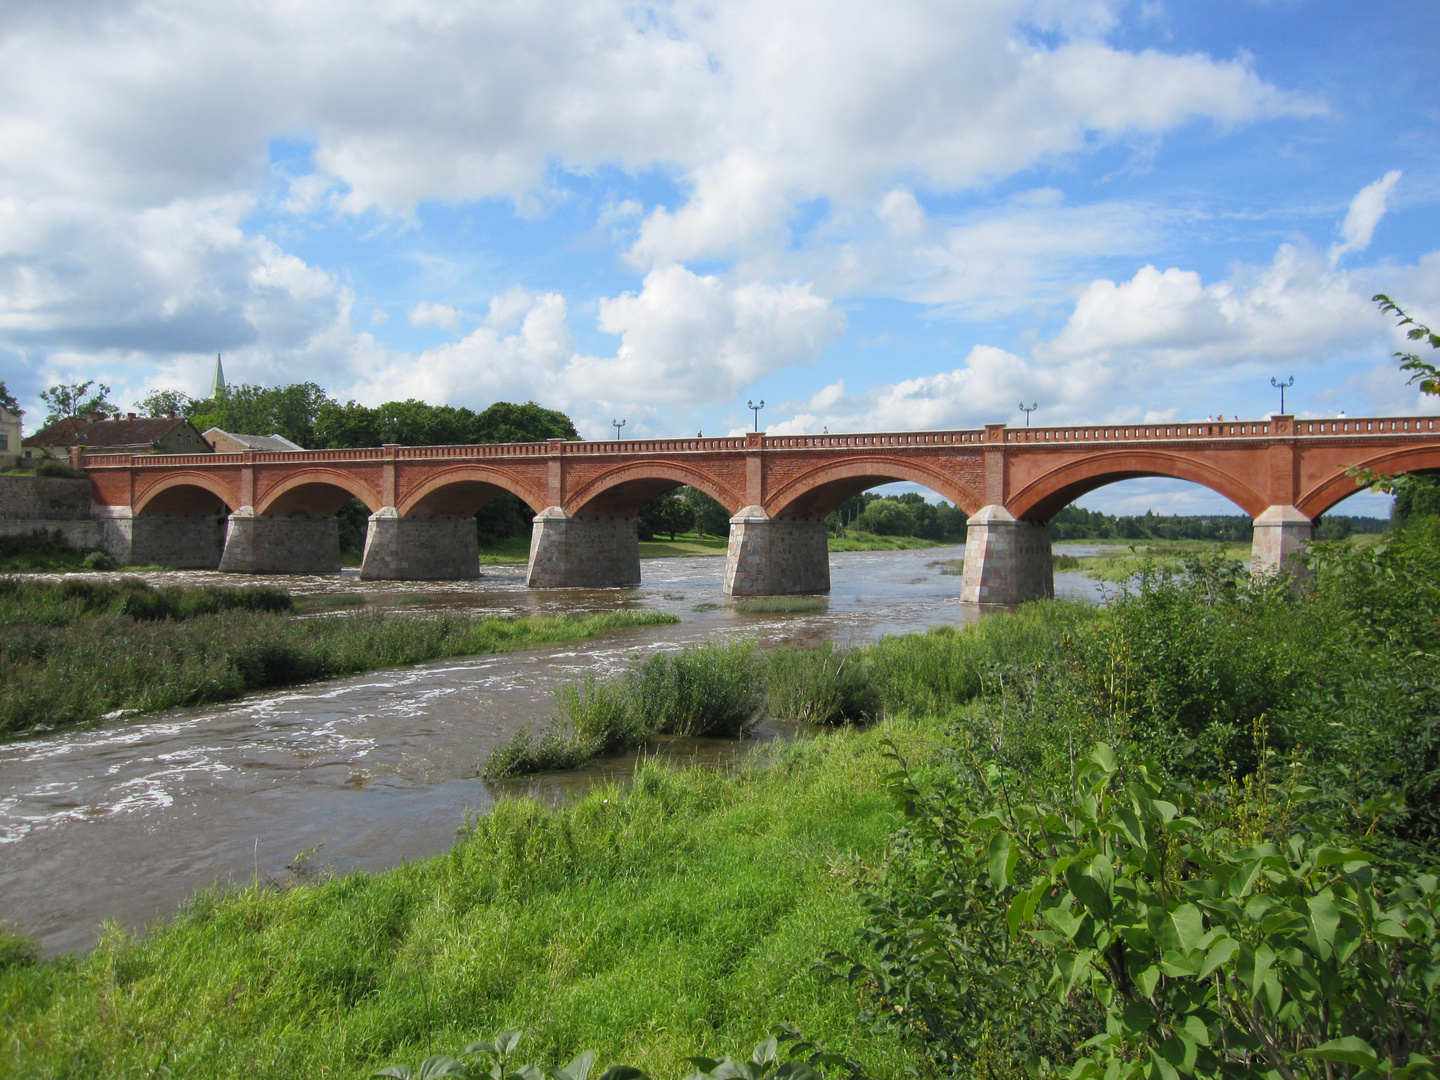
x: 4, y: 442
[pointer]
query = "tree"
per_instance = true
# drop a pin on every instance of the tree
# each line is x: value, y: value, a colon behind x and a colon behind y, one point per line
x: 291, y: 411
x: 711, y: 518
x: 167, y: 403
x: 7, y: 399
x: 1415, y: 496
x: 76, y: 399
x: 887, y: 517
x: 506, y: 422
x: 339, y: 427
x: 665, y: 514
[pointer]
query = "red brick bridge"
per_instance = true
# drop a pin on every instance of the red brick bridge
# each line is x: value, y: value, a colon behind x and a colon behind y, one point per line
x: 257, y: 512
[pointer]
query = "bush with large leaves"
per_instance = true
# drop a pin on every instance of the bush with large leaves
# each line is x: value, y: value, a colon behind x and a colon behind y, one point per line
x: 1131, y: 930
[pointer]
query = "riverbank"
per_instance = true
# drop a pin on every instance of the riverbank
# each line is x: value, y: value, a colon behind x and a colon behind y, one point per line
x: 66, y: 661
x: 682, y: 917
x: 687, y: 916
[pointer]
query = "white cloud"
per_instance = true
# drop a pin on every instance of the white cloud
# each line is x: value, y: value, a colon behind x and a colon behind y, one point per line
x: 411, y: 100
x: 441, y: 315
x: 1366, y: 210
x: 691, y: 338
x: 684, y: 340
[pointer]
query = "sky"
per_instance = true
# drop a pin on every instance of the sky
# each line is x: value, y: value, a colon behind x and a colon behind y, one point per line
x: 873, y: 217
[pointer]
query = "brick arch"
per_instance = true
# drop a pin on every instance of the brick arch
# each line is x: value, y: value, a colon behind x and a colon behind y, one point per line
x: 1327, y: 493
x: 175, y: 482
x: 467, y: 481
x: 325, y: 503
x: 817, y: 492
x: 1047, y: 495
x: 621, y: 491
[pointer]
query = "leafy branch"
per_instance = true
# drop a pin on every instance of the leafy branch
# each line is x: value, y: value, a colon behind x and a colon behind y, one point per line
x: 1426, y: 374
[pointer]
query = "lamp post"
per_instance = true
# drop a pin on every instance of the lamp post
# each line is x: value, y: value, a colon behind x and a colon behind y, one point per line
x: 1028, y: 409
x: 756, y: 410
x: 1281, y: 387
x: 618, y: 424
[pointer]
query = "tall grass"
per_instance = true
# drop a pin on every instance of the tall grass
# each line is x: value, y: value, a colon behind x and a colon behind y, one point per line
x: 710, y: 690
x: 42, y: 552
x: 61, y: 603
x: 823, y: 685
x: 921, y: 674
x: 54, y: 676
x: 682, y: 917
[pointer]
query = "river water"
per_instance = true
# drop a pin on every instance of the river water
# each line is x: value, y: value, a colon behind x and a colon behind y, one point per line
x: 128, y: 819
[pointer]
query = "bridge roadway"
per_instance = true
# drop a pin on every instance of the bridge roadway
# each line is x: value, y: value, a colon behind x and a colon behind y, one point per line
x: 256, y: 512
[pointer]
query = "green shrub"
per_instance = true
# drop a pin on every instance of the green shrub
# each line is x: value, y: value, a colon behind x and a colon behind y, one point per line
x: 99, y: 560
x: 701, y: 690
x: 821, y: 685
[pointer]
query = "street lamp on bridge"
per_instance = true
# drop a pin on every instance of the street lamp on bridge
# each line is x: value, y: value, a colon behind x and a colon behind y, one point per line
x: 1281, y: 387
x: 1028, y: 409
x: 756, y: 410
x: 618, y: 424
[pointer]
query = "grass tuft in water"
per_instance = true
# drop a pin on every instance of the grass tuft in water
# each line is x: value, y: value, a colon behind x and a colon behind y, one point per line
x: 709, y: 690
x: 781, y: 605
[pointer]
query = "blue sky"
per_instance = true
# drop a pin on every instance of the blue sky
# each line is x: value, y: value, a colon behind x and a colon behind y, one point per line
x: 874, y: 217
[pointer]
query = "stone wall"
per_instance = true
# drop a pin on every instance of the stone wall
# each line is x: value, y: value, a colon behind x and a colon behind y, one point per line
x: 48, y: 504
x: 776, y: 556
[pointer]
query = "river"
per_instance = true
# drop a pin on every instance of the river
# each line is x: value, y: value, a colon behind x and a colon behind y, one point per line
x: 128, y: 819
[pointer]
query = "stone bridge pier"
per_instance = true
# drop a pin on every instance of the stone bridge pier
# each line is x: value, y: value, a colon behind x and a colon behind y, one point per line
x: 181, y: 541
x: 1007, y: 561
x: 419, y: 549
x: 1282, y: 537
x: 260, y: 544
x: 582, y: 552
x: 776, y: 556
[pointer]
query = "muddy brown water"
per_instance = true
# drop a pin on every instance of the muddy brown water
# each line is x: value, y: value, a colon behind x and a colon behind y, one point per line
x: 128, y: 819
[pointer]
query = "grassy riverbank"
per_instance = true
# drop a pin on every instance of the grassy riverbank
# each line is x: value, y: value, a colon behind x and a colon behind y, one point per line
x: 1066, y: 772
x: 854, y: 540
x: 683, y: 917
x: 74, y: 651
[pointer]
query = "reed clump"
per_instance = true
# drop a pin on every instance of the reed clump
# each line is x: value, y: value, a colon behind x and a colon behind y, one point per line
x: 706, y: 690
x: 823, y: 685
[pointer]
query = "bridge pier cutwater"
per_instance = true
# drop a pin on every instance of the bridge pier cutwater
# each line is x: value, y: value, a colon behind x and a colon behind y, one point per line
x: 1281, y: 471
x: 258, y: 544
x: 776, y: 556
x: 590, y: 553
x: 1007, y: 561
x: 419, y: 549
x: 1282, y: 535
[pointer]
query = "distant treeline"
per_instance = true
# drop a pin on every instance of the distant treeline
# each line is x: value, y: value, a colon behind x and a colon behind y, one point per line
x: 307, y: 416
x: 1077, y: 523
x: 899, y: 515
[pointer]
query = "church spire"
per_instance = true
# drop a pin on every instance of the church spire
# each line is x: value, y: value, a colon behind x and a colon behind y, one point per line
x: 218, y: 385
